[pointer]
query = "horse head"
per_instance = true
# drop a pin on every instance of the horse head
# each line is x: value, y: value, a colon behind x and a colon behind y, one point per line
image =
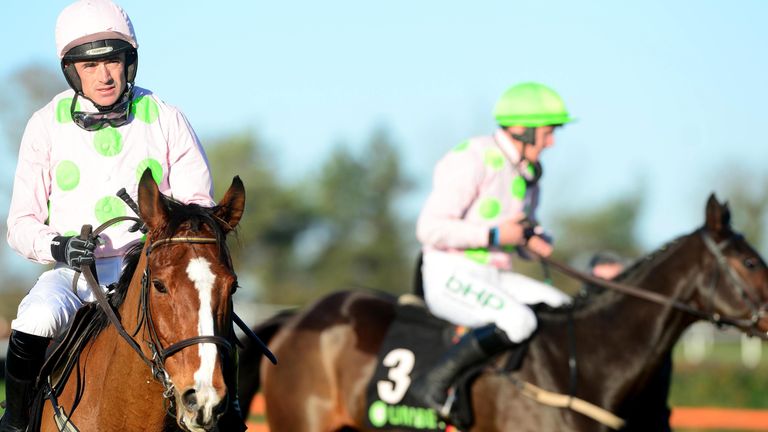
x: 188, y: 283
x: 733, y: 286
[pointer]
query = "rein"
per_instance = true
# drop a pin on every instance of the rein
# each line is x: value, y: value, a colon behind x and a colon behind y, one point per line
x: 748, y: 325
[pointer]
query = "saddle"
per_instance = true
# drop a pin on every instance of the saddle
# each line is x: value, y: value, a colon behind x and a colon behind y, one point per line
x: 414, y: 342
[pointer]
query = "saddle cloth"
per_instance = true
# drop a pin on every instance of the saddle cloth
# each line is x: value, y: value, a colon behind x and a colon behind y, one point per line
x: 414, y: 342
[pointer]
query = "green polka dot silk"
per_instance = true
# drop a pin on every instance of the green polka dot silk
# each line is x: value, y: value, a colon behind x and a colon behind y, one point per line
x: 494, y: 158
x: 108, y: 141
x: 145, y: 109
x: 480, y: 255
x: 109, y: 207
x: 154, y: 166
x: 85, y: 169
x: 489, y: 207
x: 67, y: 175
x: 519, y: 187
x: 63, y: 114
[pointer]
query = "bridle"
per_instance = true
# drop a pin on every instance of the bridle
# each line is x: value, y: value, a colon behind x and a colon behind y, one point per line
x: 158, y: 353
x: 747, y: 292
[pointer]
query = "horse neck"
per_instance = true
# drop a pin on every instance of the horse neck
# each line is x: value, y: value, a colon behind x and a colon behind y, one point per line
x: 620, y: 339
x: 674, y: 271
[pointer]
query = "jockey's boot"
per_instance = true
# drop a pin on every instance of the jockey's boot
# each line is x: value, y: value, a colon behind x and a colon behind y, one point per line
x: 26, y: 354
x: 473, y: 348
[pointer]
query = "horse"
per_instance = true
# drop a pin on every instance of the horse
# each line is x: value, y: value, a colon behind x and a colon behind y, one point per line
x: 329, y: 349
x: 162, y: 367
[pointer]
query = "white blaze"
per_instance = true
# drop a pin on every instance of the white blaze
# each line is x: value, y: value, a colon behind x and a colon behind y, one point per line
x: 199, y: 272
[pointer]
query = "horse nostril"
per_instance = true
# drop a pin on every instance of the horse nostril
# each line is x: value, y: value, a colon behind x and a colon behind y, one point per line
x: 189, y: 399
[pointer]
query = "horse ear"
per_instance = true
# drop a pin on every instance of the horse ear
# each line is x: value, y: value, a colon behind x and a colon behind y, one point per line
x: 151, y: 208
x: 718, y: 215
x: 230, y: 208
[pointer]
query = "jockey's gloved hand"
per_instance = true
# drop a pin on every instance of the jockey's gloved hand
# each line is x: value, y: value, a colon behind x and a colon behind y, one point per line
x: 73, y: 251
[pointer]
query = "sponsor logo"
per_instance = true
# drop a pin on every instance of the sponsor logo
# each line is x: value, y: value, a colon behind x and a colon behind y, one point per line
x: 99, y: 51
x: 468, y: 294
x: 382, y: 414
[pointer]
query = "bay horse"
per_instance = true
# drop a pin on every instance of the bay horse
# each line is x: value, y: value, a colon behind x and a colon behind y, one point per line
x: 329, y: 350
x: 165, y: 370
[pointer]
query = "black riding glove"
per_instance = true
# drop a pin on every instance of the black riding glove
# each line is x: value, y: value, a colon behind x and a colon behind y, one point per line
x: 73, y: 251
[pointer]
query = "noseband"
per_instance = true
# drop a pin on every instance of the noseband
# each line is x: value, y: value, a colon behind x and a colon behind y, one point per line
x: 159, y: 354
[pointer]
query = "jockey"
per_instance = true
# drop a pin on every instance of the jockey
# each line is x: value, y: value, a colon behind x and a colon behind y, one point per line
x: 76, y: 153
x: 482, y: 206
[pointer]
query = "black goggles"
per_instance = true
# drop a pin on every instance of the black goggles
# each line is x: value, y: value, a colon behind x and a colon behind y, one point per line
x: 93, y: 121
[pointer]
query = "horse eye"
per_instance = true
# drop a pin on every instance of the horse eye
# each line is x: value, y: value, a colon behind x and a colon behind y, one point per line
x: 234, y: 287
x: 750, y: 263
x: 159, y: 287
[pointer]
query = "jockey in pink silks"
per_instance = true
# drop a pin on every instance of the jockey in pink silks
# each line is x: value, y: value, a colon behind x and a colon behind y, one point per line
x: 481, y: 208
x: 76, y: 153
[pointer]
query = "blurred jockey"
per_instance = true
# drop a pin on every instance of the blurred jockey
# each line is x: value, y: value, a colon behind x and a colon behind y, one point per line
x: 482, y: 206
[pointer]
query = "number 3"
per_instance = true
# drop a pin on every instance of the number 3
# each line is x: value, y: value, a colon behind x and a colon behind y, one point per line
x: 400, y: 363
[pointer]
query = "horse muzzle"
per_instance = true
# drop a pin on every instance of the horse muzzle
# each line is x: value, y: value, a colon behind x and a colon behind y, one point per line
x: 199, y: 410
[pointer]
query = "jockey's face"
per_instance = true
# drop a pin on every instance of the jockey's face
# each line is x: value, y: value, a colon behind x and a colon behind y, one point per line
x: 545, y: 138
x: 103, y: 80
x: 607, y: 270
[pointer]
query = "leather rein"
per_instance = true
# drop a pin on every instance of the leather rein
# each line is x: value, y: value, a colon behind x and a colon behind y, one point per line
x: 716, y: 249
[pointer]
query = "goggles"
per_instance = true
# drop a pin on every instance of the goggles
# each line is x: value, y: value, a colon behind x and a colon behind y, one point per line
x: 93, y: 121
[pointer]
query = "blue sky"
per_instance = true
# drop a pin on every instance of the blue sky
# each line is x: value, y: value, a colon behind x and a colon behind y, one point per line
x: 669, y: 94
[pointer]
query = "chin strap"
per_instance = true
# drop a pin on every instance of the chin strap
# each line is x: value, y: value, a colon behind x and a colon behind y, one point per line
x: 528, y: 137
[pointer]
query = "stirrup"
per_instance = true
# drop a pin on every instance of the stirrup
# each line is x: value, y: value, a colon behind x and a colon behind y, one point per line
x: 445, y: 409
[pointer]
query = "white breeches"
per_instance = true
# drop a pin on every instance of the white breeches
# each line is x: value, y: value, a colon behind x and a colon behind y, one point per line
x: 50, y: 305
x: 470, y: 294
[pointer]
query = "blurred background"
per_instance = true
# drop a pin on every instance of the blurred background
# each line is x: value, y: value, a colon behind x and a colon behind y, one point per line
x: 334, y: 114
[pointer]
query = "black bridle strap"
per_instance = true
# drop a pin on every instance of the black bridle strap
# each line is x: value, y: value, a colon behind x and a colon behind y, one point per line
x: 250, y: 333
x: 716, y: 249
x: 218, y: 340
x: 101, y: 298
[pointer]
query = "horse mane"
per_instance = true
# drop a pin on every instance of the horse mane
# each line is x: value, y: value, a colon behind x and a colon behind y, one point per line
x: 179, y: 214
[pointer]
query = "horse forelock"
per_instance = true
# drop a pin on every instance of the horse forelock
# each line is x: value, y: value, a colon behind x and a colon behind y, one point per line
x: 194, y: 217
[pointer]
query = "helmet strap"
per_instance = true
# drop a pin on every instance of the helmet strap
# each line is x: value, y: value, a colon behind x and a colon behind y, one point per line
x: 528, y: 137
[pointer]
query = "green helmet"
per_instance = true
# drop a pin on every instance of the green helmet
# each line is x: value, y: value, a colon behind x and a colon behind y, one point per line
x: 531, y: 105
